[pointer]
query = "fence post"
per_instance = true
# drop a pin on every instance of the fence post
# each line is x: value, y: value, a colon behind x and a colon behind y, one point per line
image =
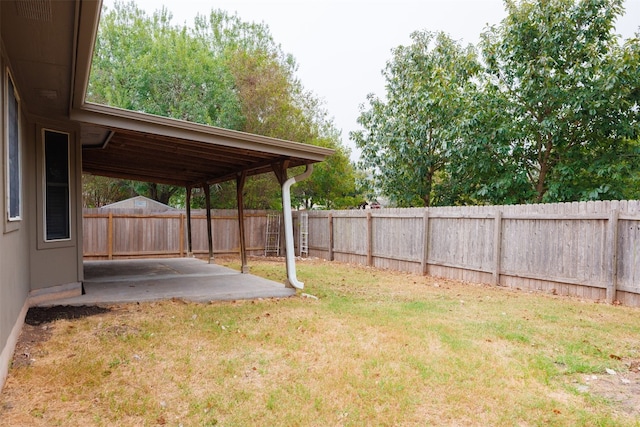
x: 110, y: 237
x: 497, y: 246
x: 369, y: 240
x: 425, y: 242
x: 613, y: 273
x: 330, y: 237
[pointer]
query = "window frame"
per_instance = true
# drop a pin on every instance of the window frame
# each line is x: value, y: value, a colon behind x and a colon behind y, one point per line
x: 40, y: 199
x: 45, y: 187
x: 12, y: 222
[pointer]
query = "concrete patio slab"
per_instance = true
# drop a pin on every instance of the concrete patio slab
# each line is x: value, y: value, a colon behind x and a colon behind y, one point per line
x: 125, y: 281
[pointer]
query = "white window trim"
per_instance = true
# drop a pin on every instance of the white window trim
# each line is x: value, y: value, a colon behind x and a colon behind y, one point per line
x: 12, y: 222
x: 44, y: 185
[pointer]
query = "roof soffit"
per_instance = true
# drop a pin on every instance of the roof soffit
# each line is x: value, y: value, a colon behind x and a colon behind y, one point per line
x: 39, y: 41
x: 133, y: 145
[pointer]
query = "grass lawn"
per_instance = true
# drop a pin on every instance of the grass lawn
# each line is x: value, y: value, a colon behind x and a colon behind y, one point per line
x: 377, y: 348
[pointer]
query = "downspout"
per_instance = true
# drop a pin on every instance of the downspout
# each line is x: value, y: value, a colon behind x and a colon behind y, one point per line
x: 288, y: 226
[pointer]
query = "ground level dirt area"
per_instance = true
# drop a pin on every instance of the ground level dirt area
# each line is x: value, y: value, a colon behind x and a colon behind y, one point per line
x: 620, y: 388
x: 37, y: 328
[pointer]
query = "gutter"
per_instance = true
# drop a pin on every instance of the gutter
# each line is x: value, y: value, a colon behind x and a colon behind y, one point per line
x: 288, y: 227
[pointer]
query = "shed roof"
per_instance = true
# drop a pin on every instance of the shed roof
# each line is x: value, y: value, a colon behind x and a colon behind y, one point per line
x: 139, y: 202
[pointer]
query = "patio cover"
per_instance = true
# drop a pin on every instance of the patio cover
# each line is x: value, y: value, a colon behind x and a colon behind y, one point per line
x: 133, y: 145
x: 51, y: 45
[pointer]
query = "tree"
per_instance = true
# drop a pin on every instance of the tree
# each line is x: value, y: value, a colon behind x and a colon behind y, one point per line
x: 557, y: 118
x: 274, y: 103
x: 407, y: 138
x: 222, y: 72
x: 98, y: 191
x: 144, y: 63
x: 332, y: 184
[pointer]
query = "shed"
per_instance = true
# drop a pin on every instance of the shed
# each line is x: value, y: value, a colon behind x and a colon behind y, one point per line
x: 139, y: 202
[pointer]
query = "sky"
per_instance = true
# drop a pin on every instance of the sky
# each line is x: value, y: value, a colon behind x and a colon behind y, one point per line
x: 342, y: 46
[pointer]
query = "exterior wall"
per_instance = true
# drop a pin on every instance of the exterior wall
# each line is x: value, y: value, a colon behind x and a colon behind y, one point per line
x: 56, y: 266
x: 14, y: 244
x: 32, y: 270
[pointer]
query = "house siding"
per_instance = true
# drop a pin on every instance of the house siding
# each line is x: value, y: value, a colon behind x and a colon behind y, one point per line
x: 55, y: 263
x: 14, y: 248
x: 32, y: 270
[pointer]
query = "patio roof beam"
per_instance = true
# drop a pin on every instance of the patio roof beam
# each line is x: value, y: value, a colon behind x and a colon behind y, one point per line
x: 250, y: 170
x: 280, y: 170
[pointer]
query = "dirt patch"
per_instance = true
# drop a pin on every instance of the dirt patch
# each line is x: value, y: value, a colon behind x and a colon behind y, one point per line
x: 39, y: 315
x: 27, y: 345
x: 37, y: 328
x: 620, y: 388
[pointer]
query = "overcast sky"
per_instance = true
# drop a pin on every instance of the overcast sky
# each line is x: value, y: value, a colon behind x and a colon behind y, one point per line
x: 341, y: 46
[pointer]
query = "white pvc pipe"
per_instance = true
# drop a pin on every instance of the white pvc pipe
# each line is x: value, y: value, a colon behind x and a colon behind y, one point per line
x: 288, y: 226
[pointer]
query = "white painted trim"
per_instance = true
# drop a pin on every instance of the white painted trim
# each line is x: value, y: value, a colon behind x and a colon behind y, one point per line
x: 12, y: 223
x: 10, y: 346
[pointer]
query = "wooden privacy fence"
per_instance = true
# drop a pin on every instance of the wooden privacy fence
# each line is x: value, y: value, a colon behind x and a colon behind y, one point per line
x: 588, y: 249
x: 134, y: 234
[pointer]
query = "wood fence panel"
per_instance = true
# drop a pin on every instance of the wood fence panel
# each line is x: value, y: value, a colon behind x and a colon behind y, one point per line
x: 458, y: 242
x: 319, y: 234
x: 585, y: 249
x: 397, y: 238
x: 95, y: 237
x: 225, y: 230
x: 255, y: 224
x: 628, y: 259
x: 558, y: 249
x: 140, y: 235
x: 349, y: 236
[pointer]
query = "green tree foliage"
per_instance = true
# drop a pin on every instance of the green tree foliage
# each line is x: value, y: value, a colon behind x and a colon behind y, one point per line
x: 146, y: 64
x: 98, y: 191
x: 407, y: 137
x: 560, y: 114
x: 553, y: 115
x: 324, y: 190
x: 222, y: 72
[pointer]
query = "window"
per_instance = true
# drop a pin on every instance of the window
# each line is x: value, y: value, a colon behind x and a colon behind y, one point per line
x: 14, y: 190
x: 56, y: 176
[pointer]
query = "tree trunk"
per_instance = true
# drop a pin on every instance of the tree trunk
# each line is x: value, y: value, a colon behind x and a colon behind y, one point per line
x: 426, y: 198
x: 543, y: 160
x: 161, y: 193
